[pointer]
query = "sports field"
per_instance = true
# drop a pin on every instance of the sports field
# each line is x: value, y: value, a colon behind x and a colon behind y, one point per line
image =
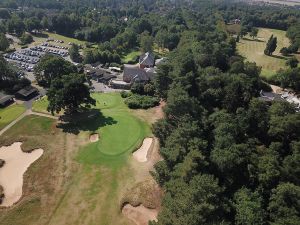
x: 77, y: 182
x: 253, y: 50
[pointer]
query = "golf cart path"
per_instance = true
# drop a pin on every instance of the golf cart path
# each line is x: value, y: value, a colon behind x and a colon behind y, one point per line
x: 26, y: 113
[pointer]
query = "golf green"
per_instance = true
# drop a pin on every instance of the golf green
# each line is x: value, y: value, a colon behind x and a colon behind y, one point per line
x: 120, y: 132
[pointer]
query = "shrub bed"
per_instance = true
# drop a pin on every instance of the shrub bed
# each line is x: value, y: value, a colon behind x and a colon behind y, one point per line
x: 141, y: 101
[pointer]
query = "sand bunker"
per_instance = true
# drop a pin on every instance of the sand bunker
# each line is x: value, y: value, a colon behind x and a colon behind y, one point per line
x: 141, y: 154
x: 11, y: 174
x: 139, y: 215
x: 94, y: 137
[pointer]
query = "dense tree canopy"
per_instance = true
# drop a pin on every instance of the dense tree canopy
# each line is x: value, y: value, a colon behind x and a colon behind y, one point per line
x: 51, y: 67
x: 69, y: 93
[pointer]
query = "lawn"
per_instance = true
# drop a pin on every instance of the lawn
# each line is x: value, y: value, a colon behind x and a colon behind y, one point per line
x: 253, y: 50
x: 65, y: 39
x: 40, y: 105
x: 38, y: 39
x: 87, y: 180
x: 120, y: 133
x: 131, y: 56
x: 9, y: 114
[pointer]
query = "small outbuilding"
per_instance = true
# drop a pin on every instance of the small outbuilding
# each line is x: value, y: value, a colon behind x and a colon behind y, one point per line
x: 5, y: 99
x: 27, y: 93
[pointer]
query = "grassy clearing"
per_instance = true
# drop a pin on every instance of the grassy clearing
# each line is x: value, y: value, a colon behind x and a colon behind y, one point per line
x: 131, y: 56
x: 9, y: 114
x: 253, y: 51
x: 40, y: 105
x: 65, y: 39
x: 39, y: 39
x: 233, y: 28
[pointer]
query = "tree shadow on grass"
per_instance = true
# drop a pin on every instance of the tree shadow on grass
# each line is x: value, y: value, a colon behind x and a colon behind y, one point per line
x: 87, y: 120
x: 250, y: 39
x: 278, y: 57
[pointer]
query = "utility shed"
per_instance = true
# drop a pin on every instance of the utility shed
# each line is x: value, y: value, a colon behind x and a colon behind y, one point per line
x: 5, y: 99
x: 27, y: 93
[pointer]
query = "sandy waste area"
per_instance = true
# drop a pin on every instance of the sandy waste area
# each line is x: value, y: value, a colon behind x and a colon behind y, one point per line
x: 140, y: 215
x: 11, y: 174
x: 141, y: 154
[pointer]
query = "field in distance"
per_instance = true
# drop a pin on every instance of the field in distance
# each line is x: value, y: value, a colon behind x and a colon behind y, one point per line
x: 282, y: 2
x: 253, y: 50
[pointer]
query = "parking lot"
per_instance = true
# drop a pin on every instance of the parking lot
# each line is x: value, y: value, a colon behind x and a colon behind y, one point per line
x: 26, y: 59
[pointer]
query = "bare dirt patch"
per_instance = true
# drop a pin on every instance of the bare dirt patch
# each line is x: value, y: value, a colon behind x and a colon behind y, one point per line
x: 141, y: 154
x: 11, y: 174
x: 94, y: 137
x: 140, y: 215
x: 150, y: 115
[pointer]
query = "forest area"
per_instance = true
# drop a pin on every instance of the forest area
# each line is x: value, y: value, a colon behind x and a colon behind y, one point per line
x: 228, y: 156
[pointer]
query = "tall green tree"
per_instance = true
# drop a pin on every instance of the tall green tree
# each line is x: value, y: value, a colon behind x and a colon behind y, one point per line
x: 292, y: 62
x: 51, y: 67
x: 284, y: 206
x: 146, y: 42
x: 74, y: 53
x: 254, y: 32
x: 4, y: 43
x: 69, y: 93
x: 271, y: 45
x: 249, y: 208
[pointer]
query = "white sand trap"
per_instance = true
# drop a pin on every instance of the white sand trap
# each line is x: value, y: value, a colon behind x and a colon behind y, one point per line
x: 11, y: 174
x: 141, y: 154
x: 140, y: 215
x: 94, y: 137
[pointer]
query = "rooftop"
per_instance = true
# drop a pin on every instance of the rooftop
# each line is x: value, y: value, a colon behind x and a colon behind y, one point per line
x: 5, y: 98
x: 26, y: 91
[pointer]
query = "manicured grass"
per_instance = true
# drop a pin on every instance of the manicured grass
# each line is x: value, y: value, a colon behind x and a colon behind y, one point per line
x: 9, y: 114
x: 38, y: 126
x: 65, y: 39
x: 253, y: 50
x: 120, y: 133
x: 39, y: 39
x: 119, y: 130
x: 40, y: 105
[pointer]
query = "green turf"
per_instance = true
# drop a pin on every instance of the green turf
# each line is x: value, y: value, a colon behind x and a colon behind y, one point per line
x: 253, y: 50
x: 9, y: 114
x: 64, y: 38
x: 40, y: 105
x: 31, y: 125
x: 120, y: 132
